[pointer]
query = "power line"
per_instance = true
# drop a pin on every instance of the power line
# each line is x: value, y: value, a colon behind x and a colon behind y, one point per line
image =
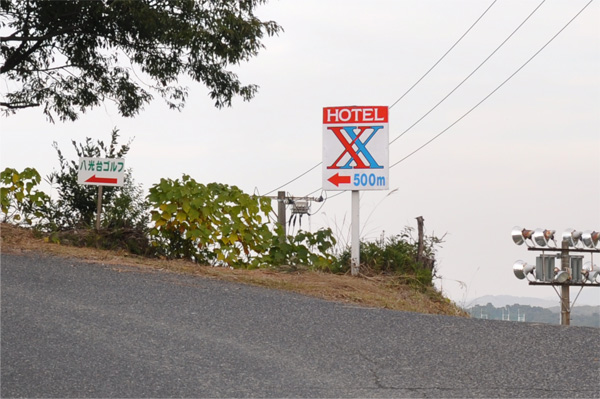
x: 490, y: 94
x: 463, y: 81
x: 471, y: 74
x: 445, y: 54
x: 403, y: 95
x: 294, y: 179
x: 476, y: 105
x: 496, y: 89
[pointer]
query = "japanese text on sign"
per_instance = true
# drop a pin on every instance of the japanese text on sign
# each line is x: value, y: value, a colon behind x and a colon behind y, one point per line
x: 101, y: 165
x: 101, y: 171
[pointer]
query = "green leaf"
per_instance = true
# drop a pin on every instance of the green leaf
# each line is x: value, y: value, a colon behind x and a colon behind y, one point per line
x: 181, y: 216
x: 171, y: 208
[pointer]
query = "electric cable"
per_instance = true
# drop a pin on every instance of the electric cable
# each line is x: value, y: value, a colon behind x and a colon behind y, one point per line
x: 408, y: 91
x: 336, y: 194
x: 294, y: 179
x: 445, y: 54
x: 322, y: 203
x: 469, y: 75
x: 491, y: 93
x: 496, y: 89
x: 476, y: 105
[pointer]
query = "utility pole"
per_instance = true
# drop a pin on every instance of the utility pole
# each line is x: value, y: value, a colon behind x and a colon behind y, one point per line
x: 420, y: 242
x: 565, y: 306
x: 281, y: 210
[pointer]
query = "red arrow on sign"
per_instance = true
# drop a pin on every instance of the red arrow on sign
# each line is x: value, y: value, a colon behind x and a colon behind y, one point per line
x: 337, y: 179
x: 106, y: 180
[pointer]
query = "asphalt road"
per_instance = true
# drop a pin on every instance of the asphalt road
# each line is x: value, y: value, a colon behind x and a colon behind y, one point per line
x: 72, y: 329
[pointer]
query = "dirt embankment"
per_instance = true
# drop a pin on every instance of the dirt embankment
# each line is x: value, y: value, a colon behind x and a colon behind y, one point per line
x: 373, y: 291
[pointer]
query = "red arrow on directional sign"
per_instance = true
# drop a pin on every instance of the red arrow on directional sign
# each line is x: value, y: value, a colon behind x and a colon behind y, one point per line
x: 108, y: 180
x: 337, y: 179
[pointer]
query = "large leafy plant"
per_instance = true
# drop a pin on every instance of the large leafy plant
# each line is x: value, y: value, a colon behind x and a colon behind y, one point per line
x: 215, y: 223
x: 21, y: 201
x: 303, y: 249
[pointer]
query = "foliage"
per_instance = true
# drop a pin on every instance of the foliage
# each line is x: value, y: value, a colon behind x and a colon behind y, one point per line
x: 430, y: 243
x: 303, y: 249
x: 21, y: 202
x: 215, y: 223
x: 69, y: 218
x: 123, y: 207
x: 397, y: 255
x: 70, y: 56
x: 128, y: 208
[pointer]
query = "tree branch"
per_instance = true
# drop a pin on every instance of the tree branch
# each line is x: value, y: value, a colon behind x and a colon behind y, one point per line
x: 16, y: 58
x: 13, y: 38
x: 56, y: 68
x: 18, y: 105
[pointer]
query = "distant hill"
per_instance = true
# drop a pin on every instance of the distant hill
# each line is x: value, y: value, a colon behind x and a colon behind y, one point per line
x: 589, y: 296
x: 581, y: 315
x: 504, y: 300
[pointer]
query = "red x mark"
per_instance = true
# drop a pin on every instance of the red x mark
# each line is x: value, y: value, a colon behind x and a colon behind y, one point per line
x: 348, y: 146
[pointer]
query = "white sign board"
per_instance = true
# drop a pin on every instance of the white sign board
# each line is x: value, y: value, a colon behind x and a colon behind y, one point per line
x: 101, y: 171
x: 356, y: 148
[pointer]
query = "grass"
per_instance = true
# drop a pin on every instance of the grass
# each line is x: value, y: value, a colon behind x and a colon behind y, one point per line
x: 369, y: 291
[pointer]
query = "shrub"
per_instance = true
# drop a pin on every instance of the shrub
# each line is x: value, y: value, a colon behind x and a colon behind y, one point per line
x: 76, y: 206
x: 21, y: 202
x: 214, y: 224
x: 128, y: 208
x: 125, y: 216
x: 304, y: 249
x: 397, y: 256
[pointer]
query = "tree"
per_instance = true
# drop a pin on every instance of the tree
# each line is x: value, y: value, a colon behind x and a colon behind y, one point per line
x: 70, y: 56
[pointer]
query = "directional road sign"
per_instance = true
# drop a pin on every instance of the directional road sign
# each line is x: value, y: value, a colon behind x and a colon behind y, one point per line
x: 101, y: 171
x: 355, y: 148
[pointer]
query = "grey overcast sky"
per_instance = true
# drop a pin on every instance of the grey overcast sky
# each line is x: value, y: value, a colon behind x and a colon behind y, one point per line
x: 529, y: 155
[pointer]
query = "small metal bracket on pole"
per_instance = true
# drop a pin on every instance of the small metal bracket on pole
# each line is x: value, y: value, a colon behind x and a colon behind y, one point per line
x: 355, y: 251
x: 283, y: 201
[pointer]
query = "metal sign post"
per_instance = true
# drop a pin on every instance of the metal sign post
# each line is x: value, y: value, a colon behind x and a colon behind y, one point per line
x: 355, y: 240
x: 355, y: 157
x: 99, y: 208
